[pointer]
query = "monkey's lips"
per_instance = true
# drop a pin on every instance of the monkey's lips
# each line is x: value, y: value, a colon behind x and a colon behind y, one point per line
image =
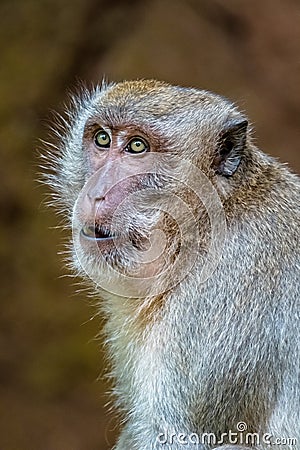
x: 106, y: 240
x: 97, y: 233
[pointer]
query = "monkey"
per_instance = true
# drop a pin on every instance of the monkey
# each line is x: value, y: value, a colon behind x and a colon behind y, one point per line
x: 189, y: 234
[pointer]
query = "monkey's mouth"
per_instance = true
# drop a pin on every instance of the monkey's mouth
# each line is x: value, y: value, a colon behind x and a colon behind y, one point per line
x: 97, y: 233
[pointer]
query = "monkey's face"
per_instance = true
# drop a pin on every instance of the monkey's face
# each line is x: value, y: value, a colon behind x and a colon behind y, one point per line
x: 137, y: 167
x: 121, y: 212
x: 116, y: 161
x: 138, y: 219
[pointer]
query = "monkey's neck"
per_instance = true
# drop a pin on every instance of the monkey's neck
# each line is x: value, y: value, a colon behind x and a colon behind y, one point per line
x: 132, y: 315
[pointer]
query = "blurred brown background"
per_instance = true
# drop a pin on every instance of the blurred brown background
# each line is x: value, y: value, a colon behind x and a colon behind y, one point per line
x: 52, y: 390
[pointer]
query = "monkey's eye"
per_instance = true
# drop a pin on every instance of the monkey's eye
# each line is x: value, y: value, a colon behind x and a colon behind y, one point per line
x: 137, y: 145
x: 102, y: 139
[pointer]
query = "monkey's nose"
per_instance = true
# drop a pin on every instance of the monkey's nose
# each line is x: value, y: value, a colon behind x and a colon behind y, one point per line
x: 89, y: 204
x: 93, y: 199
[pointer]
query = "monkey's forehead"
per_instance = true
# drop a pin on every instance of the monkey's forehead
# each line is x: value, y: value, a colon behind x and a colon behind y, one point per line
x: 150, y: 99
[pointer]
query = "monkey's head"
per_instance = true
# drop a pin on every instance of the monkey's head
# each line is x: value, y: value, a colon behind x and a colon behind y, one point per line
x: 143, y: 170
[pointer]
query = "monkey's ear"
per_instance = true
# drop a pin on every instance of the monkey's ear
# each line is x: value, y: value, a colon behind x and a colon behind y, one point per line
x: 230, y: 147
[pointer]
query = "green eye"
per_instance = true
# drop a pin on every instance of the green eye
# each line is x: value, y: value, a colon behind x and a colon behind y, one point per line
x: 102, y: 139
x: 137, y: 145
